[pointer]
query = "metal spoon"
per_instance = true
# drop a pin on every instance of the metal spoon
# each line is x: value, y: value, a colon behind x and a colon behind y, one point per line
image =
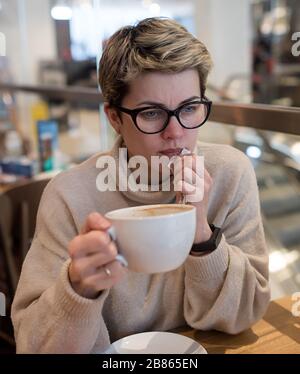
x: 184, y: 152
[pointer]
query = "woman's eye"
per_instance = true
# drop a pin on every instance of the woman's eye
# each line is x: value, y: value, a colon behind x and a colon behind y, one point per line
x: 189, y: 109
x: 151, y: 114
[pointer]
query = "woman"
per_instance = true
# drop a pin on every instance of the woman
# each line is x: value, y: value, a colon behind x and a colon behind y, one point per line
x: 73, y: 294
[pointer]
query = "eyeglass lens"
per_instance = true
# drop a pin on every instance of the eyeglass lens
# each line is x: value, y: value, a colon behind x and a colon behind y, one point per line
x: 154, y: 119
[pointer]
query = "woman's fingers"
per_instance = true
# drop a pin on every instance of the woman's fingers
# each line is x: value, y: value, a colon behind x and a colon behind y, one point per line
x: 89, y: 244
x: 93, y: 254
x: 192, y: 194
x: 88, y: 265
x: 106, y: 276
x: 190, y: 184
x: 95, y: 221
x: 193, y: 162
x: 194, y: 186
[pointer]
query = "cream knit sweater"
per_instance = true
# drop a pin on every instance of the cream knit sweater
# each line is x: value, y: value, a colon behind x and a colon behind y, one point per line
x: 226, y: 290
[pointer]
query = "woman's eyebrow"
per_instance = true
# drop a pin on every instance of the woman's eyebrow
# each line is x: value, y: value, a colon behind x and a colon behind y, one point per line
x: 190, y: 99
x: 161, y: 104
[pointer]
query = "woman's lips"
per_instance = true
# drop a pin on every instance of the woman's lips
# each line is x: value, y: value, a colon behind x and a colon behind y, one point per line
x: 171, y: 152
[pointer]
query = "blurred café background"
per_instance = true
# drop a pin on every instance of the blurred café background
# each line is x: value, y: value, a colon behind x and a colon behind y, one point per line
x: 51, y: 112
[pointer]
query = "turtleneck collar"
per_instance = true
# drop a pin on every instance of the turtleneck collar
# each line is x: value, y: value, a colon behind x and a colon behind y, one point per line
x: 142, y: 197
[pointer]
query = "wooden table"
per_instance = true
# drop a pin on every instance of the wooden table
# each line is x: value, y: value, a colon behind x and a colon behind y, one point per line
x: 277, y: 332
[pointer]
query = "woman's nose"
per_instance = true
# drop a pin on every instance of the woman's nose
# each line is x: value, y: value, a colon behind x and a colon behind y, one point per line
x: 173, y: 130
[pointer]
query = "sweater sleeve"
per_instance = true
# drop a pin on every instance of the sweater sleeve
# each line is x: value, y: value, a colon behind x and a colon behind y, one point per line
x: 228, y: 289
x: 48, y: 316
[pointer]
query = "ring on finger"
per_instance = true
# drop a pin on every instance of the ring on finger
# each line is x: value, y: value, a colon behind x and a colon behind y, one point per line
x: 107, y: 271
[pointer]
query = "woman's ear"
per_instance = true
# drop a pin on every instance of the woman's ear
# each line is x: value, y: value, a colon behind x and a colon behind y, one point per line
x: 113, y: 117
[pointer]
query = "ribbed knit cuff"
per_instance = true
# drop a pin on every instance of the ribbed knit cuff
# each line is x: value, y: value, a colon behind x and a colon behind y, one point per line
x: 210, y: 266
x: 74, y: 306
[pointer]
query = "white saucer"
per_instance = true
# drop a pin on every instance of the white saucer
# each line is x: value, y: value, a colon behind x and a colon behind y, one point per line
x: 156, y: 342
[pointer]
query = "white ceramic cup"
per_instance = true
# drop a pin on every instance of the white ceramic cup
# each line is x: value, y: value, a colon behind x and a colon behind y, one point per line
x: 153, y: 238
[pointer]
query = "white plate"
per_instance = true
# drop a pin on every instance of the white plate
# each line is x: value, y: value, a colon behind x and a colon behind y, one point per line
x: 156, y: 342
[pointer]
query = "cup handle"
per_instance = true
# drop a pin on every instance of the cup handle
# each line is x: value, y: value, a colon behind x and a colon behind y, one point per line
x: 112, y: 233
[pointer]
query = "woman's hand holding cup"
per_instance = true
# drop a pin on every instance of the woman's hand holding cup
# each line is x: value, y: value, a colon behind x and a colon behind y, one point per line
x: 94, y: 266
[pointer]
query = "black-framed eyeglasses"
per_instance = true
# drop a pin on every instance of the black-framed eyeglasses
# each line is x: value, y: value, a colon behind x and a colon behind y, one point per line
x: 154, y: 119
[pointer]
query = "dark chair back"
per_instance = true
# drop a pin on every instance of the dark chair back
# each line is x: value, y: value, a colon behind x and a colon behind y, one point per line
x: 8, y: 269
x: 25, y: 201
x: 18, y: 210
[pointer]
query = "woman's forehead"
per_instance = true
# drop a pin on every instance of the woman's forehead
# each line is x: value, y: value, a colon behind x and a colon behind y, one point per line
x: 166, y: 88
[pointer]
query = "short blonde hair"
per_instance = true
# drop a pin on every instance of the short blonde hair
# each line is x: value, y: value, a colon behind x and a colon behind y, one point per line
x: 154, y: 44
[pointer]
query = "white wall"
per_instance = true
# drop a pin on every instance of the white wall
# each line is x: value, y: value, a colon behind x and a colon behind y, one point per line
x: 225, y: 28
x: 30, y: 36
x: 91, y: 25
